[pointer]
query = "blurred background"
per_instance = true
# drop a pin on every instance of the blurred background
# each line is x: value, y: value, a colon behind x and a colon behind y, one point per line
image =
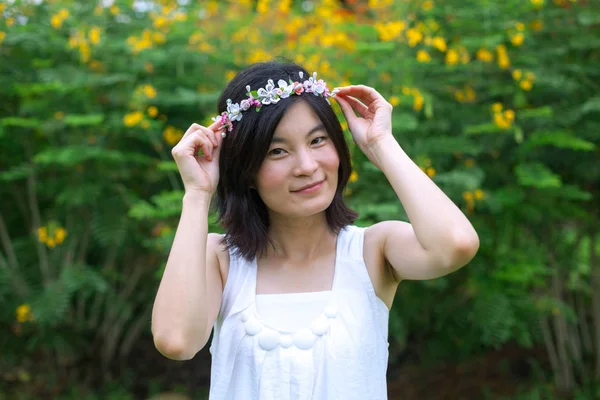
x: 497, y: 101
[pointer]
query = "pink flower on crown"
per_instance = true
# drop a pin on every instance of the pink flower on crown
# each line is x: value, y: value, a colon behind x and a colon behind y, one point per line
x: 298, y: 88
x: 316, y: 86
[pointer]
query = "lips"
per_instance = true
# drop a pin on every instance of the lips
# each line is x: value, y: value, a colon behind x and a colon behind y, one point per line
x: 309, y: 186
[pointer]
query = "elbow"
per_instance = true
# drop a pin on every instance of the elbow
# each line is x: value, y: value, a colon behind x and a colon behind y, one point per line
x: 174, y: 347
x: 464, y: 249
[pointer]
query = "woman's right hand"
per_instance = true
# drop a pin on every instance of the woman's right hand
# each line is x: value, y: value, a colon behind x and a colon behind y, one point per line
x: 200, y: 173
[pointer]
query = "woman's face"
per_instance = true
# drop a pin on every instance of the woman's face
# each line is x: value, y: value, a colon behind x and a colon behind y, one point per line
x: 299, y: 174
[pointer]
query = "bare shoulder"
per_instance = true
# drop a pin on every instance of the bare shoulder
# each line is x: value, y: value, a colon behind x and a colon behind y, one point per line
x: 218, y: 253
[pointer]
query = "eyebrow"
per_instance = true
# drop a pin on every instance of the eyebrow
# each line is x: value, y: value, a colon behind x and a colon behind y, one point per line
x: 277, y: 139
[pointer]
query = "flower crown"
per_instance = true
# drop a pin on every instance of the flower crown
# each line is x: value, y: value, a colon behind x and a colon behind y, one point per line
x: 271, y: 94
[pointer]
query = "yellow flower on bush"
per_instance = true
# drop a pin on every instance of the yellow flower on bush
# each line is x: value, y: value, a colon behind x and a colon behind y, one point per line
x: 517, y: 39
x: 484, y: 55
x: 439, y: 43
x: 60, y: 234
x: 172, y: 135
x: 2, y: 36
x: 390, y: 30
x: 64, y: 13
x: 353, y: 177
x: 520, y: 26
x: 423, y: 56
x: 430, y: 171
x: 94, y: 35
x: 427, y: 5
x: 23, y: 313
x: 452, y: 57
x: 133, y: 118
x: 149, y: 91
x: 56, y: 21
x: 42, y: 234
x: 526, y: 85
x: 537, y: 2
x: 479, y: 194
x: 517, y: 74
x: 497, y: 107
x: 394, y: 100
x: 114, y: 10
x: 419, y: 100
x: 152, y: 111
x: 262, y: 7
x: 504, y: 120
x: 503, y: 60
x: 414, y: 37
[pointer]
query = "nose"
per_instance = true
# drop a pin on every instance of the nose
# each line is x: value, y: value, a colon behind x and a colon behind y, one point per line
x: 305, y: 163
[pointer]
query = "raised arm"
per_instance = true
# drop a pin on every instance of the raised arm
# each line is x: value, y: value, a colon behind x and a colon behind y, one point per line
x: 439, y: 238
x: 189, y: 294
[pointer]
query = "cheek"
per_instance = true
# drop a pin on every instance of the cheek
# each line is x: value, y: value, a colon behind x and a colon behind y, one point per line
x: 331, y: 160
x: 269, y: 177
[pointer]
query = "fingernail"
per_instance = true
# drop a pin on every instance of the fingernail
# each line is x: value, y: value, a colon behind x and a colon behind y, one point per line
x: 336, y: 91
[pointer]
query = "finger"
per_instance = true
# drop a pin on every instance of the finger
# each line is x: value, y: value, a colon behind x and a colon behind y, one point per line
x: 216, y: 126
x: 193, y: 127
x: 190, y: 144
x: 210, y: 134
x: 217, y: 149
x: 365, y: 93
x: 358, y: 106
x: 346, y: 109
x: 205, y: 143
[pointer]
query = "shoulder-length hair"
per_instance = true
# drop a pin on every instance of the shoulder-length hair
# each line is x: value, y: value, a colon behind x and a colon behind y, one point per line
x: 241, y: 211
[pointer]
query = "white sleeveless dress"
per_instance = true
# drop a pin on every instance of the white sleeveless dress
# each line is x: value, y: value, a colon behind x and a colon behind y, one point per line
x: 342, y: 354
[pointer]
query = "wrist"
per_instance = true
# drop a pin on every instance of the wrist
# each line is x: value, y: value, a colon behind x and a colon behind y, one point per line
x: 197, y: 197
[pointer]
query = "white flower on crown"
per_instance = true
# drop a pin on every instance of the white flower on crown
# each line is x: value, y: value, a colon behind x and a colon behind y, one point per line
x: 269, y: 94
x: 234, y: 111
x: 286, y: 90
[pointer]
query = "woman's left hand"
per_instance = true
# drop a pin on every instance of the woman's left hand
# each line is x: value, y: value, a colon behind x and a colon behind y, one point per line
x: 374, y: 120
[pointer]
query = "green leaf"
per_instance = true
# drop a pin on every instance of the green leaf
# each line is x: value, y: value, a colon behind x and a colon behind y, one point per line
x: 403, y: 122
x: 562, y: 139
x: 73, y: 155
x: 540, y: 112
x: 21, y: 122
x: 17, y: 172
x: 83, y: 120
x: 367, y: 47
x: 167, y: 166
x: 537, y: 175
x: 591, y: 105
x: 483, y: 128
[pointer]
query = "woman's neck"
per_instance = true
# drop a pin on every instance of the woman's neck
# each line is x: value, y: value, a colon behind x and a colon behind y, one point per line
x: 300, y: 240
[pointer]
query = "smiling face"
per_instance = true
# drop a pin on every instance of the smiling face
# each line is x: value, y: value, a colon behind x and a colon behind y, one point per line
x: 299, y: 175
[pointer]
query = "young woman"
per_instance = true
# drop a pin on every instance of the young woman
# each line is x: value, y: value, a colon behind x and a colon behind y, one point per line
x: 298, y: 296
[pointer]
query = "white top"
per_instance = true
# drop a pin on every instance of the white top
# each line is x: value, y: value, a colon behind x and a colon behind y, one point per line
x: 341, y: 354
x: 290, y: 312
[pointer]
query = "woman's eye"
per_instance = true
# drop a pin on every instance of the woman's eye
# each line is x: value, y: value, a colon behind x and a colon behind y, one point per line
x: 319, y: 140
x: 276, y: 152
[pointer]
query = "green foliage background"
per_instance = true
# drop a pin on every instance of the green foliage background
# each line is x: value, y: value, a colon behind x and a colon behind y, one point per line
x: 94, y: 97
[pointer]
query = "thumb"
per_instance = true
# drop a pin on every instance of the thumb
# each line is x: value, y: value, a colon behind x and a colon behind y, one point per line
x: 218, y: 132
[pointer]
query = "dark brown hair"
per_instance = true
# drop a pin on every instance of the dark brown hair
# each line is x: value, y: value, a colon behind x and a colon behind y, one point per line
x: 242, y: 213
